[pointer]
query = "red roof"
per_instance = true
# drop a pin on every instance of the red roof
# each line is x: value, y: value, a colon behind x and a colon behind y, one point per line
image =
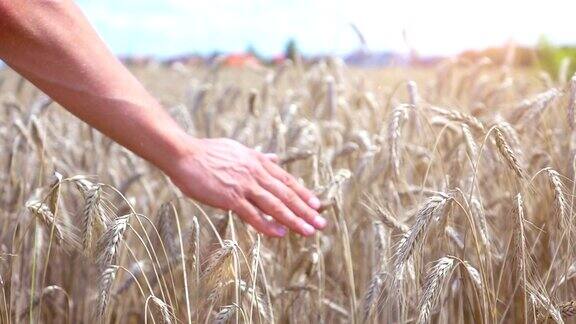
x: 240, y: 59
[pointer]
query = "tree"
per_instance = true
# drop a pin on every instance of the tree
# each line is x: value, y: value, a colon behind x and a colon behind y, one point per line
x: 551, y: 57
x: 291, y: 50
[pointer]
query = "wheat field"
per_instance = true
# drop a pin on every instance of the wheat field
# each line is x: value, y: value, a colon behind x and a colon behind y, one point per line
x: 449, y: 192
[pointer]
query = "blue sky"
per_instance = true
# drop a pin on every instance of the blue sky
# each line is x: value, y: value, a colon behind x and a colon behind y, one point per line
x: 169, y: 27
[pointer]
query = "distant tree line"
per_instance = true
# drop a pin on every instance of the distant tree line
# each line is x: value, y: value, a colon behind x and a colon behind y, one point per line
x: 552, y: 58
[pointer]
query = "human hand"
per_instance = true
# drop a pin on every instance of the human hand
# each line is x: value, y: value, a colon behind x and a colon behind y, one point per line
x: 228, y: 175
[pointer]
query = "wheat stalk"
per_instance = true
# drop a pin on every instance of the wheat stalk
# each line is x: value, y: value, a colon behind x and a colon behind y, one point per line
x: 44, y: 214
x: 560, y: 197
x: 193, y: 251
x: 390, y: 221
x: 541, y: 300
x: 533, y: 108
x: 435, y: 281
x: 508, y: 154
x: 473, y: 274
x: 376, y: 283
x: 394, y: 133
x: 471, y: 146
x: 137, y: 269
x: 104, y: 286
x: 218, y: 266
x: 458, y: 116
x: 256, y: 297
x: 109, y: 243
x: 165, y: 225
x: 225, y: 314
x: 510, y: 134
x: 520, y: 236
x: 412, y: 240
x: 479, y: 214
x: 567, y: 309
x: 90, y: 214
x: 163, y: 308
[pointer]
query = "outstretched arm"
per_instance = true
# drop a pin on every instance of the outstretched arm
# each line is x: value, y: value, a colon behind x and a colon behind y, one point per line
x: 51, y: 43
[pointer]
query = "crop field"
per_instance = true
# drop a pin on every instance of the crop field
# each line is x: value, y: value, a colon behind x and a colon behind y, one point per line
x: 449, y: 192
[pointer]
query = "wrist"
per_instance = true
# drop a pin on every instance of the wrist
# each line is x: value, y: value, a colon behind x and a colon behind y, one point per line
x: 181, y: 149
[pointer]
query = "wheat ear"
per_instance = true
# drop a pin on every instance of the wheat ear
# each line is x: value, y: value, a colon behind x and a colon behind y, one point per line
x: 412, y: 240
x: 560, y: 197
x: 164, y: 309
x: 436, y: 280
x: 461, y: 117
x: 541, y: 300
x: 165, y: 225
x: 508, y: 154
x: 225, y: 314
x: 44, y: 214
x: 375, y: 286
x: 218, y: 265
x: 109, y: 243
x: 394, y: 132
x: 90, y: 214
x: 104, y: 286
x: 193, y: 250
x: 567, y: 309
x: 471, y: 147
x: 479, y: 214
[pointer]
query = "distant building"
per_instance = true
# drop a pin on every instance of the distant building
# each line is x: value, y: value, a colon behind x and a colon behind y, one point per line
x: 241, y: 60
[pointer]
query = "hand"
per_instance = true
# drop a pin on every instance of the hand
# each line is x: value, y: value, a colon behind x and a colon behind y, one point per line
x: 225, y: 174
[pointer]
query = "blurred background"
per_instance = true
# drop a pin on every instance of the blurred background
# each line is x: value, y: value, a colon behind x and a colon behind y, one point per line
x: 445, y: 159
x: 363, y: 33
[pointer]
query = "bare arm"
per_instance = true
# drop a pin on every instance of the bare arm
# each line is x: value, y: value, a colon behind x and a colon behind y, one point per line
x: 53, y: 45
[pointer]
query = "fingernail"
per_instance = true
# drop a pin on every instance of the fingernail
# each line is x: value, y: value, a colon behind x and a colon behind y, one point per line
x: 281, y: 230
x: 272, y: 156
x: 308, y: 229
x: 314, y: 202
x: 319, y: 222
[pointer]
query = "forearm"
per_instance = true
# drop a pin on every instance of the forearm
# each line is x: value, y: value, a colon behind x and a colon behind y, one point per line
x: 52, y: 45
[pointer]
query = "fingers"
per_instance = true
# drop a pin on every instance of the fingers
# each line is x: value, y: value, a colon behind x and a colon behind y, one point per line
x: 272, y: 157
x: 274, y: 207
x: 288, y: 180
x: 292, y: 200
x: 251, y: 215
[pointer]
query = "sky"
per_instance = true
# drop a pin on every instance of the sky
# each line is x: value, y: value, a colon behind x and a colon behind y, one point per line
x: 432, y: 27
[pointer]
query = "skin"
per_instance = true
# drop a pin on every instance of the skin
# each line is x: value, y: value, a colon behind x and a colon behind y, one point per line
x: 52, y: 45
